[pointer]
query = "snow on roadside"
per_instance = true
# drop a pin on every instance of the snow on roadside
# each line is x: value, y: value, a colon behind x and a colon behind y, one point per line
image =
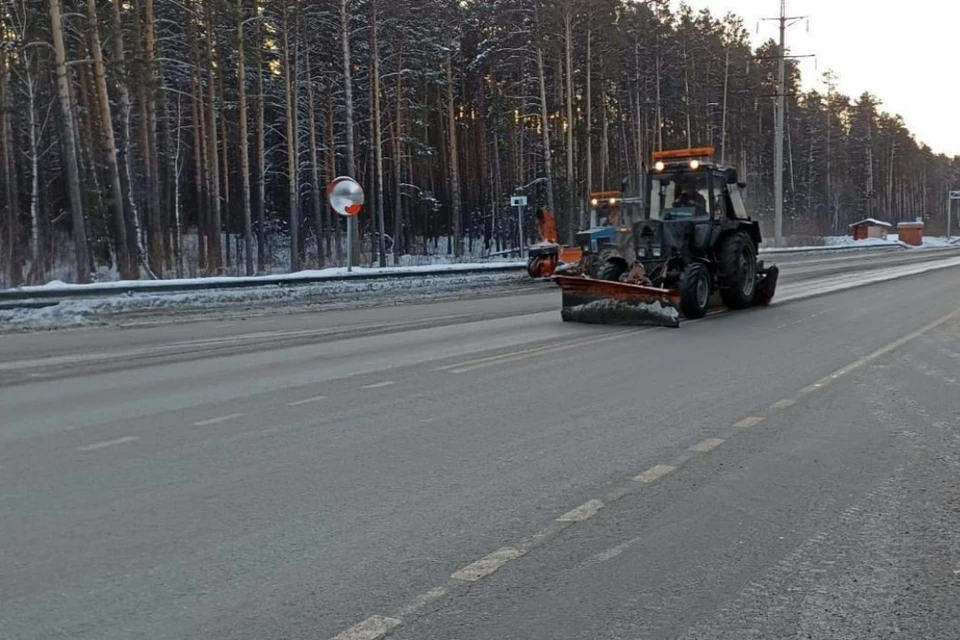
x: 339, y: 294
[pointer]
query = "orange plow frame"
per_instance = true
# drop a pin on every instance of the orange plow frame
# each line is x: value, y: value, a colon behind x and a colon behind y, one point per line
x: 605, y: 302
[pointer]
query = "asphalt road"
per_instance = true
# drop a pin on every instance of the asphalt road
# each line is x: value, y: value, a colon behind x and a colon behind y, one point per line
x: 478, y: 469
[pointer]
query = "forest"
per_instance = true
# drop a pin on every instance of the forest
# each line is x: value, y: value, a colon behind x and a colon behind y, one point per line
x: 171, y: 138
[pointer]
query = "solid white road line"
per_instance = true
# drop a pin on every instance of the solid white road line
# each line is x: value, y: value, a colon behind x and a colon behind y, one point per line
x: 217, y: 420
x: 486, y: 565
x: 707, y: 445
x: 748, y: 422
x: 653, y: 474
x: 370, y: 629
x: 584, y: 512
x: 297, y: 403
x: 108, y: 443
x: 379, y: 385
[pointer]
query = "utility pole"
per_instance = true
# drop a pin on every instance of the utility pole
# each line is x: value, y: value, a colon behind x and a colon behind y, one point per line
x: 785, y: 21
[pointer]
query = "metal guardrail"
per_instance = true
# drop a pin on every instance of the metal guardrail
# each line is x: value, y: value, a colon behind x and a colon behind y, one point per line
x: 225, y: 283
x: 40, y: 297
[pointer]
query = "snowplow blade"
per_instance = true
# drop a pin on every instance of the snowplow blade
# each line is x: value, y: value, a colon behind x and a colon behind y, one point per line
x: 606, y: 302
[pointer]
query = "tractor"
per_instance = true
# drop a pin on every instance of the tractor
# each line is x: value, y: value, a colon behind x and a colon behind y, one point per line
x: 689, y: 237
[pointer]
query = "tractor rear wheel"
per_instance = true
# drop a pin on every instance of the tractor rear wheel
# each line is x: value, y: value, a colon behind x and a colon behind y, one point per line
x: 738, y: 265
x: 613, y: 270
x: 695, y: 291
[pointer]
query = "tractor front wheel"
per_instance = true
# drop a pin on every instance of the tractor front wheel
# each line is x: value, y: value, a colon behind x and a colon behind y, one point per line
x: 738, y: 266
x: 695, y: 291
x: 613, y: 270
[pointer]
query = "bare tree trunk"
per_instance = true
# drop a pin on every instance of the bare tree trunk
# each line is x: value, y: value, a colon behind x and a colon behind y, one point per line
x: 292, y: 160
x: 132, y: 216
x: 244, y: 145
x: 333, y: 218
x: 397, y: 149
x: 37, y: 271
x: 377, y: 131
x: 225, y: 164
x: 454, y: 162
x: 315, y: 190
x: 545, y: 124
x: 572, y: 190
x: 152, y: 164
x: 214, y: 244
x: 70, y: 146
x: 260, y: 134
x: 348, y: 101
x: 12, y: 253
x: 589, y: 116
x: 686, y: 97
x: 199, y: 136
x: 128, y: 267
x: 177, y: 199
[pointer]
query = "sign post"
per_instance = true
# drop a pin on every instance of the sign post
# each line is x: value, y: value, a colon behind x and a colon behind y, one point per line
x: 346, y: 197
x: 520, y: 202
x: 954, y: 195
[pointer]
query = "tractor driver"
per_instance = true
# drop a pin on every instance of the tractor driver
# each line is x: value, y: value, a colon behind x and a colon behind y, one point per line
x: 691, y: 197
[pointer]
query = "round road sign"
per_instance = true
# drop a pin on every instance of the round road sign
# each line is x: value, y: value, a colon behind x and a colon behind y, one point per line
x: 345, y: 195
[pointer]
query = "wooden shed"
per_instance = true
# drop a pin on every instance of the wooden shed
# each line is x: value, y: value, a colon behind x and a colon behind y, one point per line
x: 911, y: 233
x: 869, y: 228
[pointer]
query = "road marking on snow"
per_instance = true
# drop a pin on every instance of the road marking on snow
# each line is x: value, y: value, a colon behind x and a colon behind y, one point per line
x: 379, y: 385
x: 707, y: 445
x: 653, y: 474
x: 783, y: 404
x: 584, y: 512
x: 297, y: 403
x: 746, y: 423
x: 217, y: 420
x: 370, y: 629
x: 108, y: 443
x: 486, y: 565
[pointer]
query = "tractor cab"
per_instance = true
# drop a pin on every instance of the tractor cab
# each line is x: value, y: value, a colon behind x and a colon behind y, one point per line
x: 685, y: 185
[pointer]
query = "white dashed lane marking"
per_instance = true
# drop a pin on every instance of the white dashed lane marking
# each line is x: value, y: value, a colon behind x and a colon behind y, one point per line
x: 379, y: 385
x: 486, y: 565
x: 217, y: 420
x: 746, y: 423
x: 108, y: 443
x: 786, y: 403
x: 653, y: 474
x: 370, y: 629
x: 584, y: 512
x: 707, y: 445
x: 297, y: 403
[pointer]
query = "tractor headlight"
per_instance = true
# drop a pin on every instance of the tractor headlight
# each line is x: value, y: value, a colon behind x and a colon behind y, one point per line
x: 657, y: 252
x: 641, y: 252
x: 659, y: 166
x: 595, y: 202
x: 694, y: 164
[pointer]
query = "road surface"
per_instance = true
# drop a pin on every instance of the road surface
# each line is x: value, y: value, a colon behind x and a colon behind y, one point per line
x: 478, y: 469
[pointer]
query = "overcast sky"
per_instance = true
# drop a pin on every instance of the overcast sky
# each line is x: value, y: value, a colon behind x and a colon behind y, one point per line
x: 905, y: 53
